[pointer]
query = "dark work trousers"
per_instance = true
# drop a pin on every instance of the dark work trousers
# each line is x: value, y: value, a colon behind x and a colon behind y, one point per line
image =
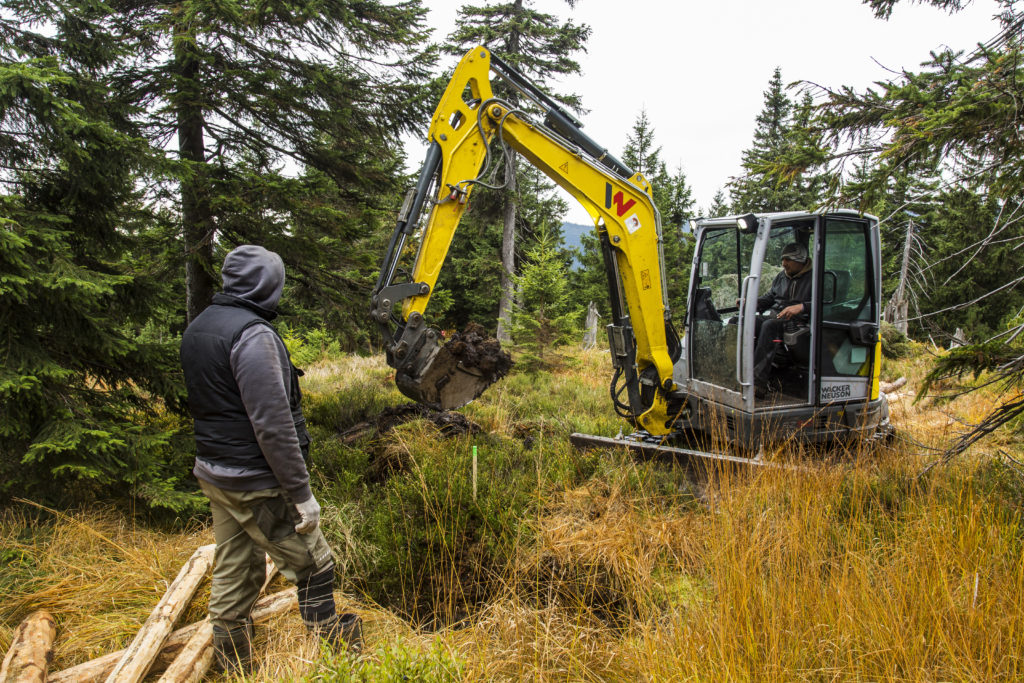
x: 245, y: 525
x: 769, y: 341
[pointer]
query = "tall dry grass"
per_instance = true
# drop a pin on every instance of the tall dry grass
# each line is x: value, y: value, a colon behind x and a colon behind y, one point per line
x: 98, y: 572
x: 614, y: 568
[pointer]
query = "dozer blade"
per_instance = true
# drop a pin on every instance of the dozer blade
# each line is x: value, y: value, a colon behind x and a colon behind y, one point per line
x: 442, y: 381
x: 642, y: 442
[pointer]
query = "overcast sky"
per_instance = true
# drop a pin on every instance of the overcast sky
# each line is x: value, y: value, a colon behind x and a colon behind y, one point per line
x: 700, y: 68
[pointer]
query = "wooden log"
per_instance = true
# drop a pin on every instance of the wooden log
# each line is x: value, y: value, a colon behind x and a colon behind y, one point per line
x: 195, y: 658
x: 31, y: 650
x: 149, y: 640
x: 889, y: 387
x: 98, y: 669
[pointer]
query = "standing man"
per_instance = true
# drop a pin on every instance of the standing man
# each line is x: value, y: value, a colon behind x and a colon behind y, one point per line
x: 789, y: 299
x: 251, y: 445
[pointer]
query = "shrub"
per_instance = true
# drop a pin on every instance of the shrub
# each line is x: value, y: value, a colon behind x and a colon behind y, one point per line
x: 895, y: 344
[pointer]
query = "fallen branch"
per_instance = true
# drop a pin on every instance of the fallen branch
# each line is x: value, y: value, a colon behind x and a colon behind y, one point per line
x: 889, y: 387
x: 98, y: 669
x: 195, y: 658
x: 31, y: 650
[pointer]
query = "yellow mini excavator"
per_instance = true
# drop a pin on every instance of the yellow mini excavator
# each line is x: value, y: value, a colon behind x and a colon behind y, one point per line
x: 673, y: 389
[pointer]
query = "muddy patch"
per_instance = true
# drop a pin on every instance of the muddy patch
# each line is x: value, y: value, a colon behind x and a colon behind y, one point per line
x: 385, y: 458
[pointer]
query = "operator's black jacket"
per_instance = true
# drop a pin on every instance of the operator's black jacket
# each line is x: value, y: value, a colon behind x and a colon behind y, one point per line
x: 787, y: 291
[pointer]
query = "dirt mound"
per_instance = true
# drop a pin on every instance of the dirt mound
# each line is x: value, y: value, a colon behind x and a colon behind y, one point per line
x: 385, y: 459
x: 450, y: 423
x: 474, y: 349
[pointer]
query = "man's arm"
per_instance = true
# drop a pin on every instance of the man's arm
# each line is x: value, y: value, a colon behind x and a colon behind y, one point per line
x: 259, y: 364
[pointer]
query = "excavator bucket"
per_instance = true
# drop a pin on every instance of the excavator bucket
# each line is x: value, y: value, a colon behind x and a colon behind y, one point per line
x: 449, y: 376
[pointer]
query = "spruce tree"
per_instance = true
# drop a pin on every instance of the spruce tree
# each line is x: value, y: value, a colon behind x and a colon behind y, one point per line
x: 540, y: 47
x: 589, y: 282
x: 957, y: 114
x: 678, y: 242
x: 674, y: 201
x: 284, y: 121
x: 543, y: 313
x: 719, y: 205
x: 82, y: 379
x: 757, y: 190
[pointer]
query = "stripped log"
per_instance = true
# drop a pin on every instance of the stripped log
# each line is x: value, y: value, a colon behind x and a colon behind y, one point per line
x: 31, y: 650
x: 98, y: 669
x: 195, y: 658
x: 889, y: 387
x: 149, y: 640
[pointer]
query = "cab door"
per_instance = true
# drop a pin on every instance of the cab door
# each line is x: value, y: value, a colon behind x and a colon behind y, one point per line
x: 848, y: 310
x: 720, y: 365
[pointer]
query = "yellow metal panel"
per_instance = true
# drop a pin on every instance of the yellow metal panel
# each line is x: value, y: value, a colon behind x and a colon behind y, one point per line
x: 463, y: 130
x: 876, y: 369
x: 463, y: 149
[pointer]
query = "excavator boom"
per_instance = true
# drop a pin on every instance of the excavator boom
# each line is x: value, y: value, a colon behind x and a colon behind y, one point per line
x: 467, y: 120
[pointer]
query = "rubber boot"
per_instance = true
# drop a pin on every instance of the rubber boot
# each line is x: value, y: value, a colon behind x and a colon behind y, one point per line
x: 344, y: 631
x: 233, y: 649
x: 319, y: 614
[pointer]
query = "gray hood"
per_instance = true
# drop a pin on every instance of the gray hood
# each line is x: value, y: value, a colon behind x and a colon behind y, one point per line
x: 254, y: 274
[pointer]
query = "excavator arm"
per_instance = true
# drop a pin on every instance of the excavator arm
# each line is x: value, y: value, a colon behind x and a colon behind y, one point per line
x: 464, y: 125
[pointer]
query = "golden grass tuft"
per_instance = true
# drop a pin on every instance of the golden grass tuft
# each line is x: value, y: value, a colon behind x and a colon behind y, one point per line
x: 97, y: 572
x: 851, y: 569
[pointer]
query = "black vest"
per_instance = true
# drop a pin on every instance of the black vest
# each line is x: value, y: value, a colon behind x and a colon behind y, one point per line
x: 222, y: 428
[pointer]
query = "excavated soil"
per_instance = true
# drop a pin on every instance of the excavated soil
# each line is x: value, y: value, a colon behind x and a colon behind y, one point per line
x: 475, y: 349
x: 450, y: 423
x: 385, y: 461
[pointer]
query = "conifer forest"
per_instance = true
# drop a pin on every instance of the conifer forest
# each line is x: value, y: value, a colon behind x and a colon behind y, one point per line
x: 140, y: 143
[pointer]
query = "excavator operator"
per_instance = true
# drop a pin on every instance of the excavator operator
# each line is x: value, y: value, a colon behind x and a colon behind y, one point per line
x: 789, y: 306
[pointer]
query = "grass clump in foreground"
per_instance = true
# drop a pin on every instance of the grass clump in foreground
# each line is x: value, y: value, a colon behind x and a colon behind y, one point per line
x: 598, y: 566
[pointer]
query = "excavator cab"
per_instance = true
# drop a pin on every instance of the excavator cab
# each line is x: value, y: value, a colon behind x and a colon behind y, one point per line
x: 822, y: 381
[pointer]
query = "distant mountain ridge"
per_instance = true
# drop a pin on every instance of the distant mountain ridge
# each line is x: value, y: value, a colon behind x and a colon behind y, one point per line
x: 571, y: 236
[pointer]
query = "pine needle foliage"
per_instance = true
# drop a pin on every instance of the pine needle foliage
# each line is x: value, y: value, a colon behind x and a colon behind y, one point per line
x: 542, y: 47
x: 81, y: 389
x: 957, y: 119
x: 277, y: 124
x: 780, y: 128
x: 543, y: 315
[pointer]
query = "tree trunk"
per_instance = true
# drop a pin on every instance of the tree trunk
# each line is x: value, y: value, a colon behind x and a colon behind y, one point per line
x: 508, y: 232
x: 31, y: 650
x: 508, y: 256
x: 98, y: 669
x: 898, y: 309
x: 196, y: 217
x: 195, y: 658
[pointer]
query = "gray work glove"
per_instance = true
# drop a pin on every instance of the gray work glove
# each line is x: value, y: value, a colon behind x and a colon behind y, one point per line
x: 309, y: 511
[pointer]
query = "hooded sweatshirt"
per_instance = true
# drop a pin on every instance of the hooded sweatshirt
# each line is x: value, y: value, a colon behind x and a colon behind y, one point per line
x: 243, y: 390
